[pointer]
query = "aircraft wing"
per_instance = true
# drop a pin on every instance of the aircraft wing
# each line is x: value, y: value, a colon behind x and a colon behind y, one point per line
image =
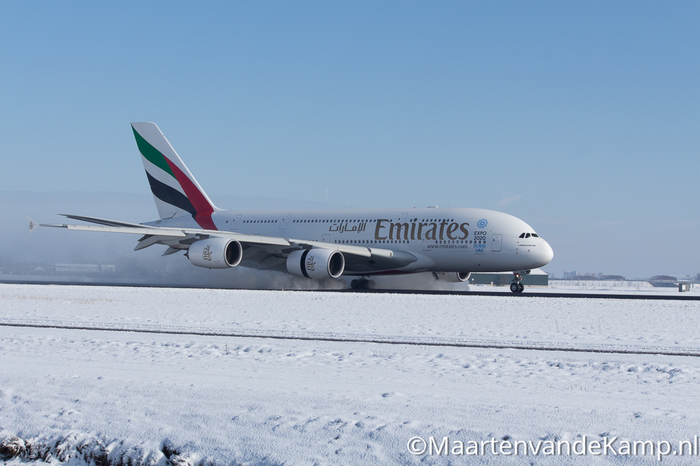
x: 265, y: 252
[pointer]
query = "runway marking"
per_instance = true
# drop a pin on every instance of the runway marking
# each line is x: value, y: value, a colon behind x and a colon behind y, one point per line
x: 340, y: 338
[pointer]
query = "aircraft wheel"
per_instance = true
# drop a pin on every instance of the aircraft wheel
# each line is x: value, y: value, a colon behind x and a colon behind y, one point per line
x: 515, y: 287
x: 362, y: 284
x: 521, y: 287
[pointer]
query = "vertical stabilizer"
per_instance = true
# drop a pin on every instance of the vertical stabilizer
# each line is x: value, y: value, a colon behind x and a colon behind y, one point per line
x: 175, y: 190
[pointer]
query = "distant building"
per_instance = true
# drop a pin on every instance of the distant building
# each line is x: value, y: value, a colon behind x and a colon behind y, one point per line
x: 84, y: 268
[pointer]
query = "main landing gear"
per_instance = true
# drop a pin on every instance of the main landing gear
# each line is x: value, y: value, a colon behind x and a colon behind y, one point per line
x: 362, y: 284
x: 517, y: 286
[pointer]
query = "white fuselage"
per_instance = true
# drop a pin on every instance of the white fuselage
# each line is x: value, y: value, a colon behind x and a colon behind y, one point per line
x: 440, y: 239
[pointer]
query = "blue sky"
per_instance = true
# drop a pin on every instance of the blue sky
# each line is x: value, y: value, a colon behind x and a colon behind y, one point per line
x: 581, y: 118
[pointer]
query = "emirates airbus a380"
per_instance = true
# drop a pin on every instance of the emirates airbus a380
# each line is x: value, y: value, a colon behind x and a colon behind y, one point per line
x: 321, y: 244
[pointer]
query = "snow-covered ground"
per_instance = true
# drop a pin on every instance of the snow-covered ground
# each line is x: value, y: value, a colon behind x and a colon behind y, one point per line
x: 638, y: 287
x: 615, y: 286
x: 71, y: 393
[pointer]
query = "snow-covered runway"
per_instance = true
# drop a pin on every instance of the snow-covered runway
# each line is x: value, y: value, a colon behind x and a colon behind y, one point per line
x: 280, y: 401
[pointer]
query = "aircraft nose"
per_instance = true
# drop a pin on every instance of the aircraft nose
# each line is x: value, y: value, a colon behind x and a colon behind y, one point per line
x: 547, y: 253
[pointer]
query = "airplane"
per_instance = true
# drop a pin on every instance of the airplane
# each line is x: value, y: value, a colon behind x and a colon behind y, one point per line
x: 320, y: 244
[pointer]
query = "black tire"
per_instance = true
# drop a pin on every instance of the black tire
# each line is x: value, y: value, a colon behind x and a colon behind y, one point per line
x: 515, y: 288
x: 521, y: 287
x: 355, y: 284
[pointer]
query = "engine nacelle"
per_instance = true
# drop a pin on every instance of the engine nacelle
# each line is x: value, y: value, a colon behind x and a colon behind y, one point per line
x: 454, y: 277
x: 318, y: 263
x: 216, y: 253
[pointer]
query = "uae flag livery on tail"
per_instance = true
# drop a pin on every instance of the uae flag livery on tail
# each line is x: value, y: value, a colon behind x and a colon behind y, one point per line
x: 175, y: 190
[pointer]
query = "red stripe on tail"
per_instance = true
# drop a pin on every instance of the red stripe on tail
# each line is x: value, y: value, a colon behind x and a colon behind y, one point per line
x: 199, y: 202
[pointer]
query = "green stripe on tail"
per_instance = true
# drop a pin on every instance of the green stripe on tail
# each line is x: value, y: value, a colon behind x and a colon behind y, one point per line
x: 151, y: 154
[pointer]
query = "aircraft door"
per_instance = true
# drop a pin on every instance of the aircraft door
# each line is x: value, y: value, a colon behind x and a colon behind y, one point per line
x: 496, y: 243
x: 235, y: 222
x: 285, y: 222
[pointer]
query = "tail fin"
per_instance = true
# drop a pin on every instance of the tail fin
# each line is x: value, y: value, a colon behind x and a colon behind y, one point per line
x: 175, y: 190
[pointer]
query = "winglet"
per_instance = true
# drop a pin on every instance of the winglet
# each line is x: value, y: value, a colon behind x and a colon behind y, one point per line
x: 32, y: 225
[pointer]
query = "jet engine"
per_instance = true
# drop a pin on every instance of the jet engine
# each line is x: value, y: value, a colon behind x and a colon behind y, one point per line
x: 454, y: 277
x: 216, y: 253
x: 318, y: 263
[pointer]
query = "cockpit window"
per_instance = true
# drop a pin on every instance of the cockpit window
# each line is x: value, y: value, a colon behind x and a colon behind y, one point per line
x: 527, y: 235
x: 522, y: 235
x: 535, y: 235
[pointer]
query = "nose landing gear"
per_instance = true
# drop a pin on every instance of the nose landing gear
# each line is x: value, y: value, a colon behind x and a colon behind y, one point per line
x: 517, y: 286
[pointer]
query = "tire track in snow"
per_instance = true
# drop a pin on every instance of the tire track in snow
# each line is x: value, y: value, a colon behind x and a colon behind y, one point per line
x: 354, y: 338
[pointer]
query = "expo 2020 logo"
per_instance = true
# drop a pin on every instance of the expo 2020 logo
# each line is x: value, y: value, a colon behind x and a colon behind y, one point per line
x: 482, y: 223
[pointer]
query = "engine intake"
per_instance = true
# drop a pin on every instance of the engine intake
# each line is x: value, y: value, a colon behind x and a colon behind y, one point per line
x: 318, y: 263
x: 216, y: 253
x: 454, y: 277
